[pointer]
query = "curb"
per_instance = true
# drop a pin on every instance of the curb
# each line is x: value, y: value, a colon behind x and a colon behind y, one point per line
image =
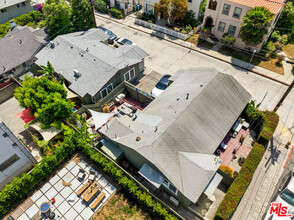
x: 253, y: 71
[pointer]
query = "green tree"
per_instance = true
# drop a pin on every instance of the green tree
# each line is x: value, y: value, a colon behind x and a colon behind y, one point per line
x: 286, y: 20
x: 254, y: 25
x: 179, y: 9
x: 48, y: 70
x: 57, y: 17
x: 82, y: 17
x: 202, y: 10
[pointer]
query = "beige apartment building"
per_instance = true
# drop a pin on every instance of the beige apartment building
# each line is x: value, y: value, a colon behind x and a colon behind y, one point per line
x: 225, y: 16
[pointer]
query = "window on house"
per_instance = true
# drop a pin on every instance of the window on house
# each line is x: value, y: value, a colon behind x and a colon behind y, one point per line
x: 221, y: 26
x: 3, y: 10
x: 149, y: 9
x: 173, y: 188
x: 129, y: 75
x: 190, y: 1
x: 212, y: 4
x: 18, y: 5
x: 226, y: 9
x: 23, y: 4
x: 106, y: 90
x: 237, y: 12
x: 8, y: 162
x: 232, y: 30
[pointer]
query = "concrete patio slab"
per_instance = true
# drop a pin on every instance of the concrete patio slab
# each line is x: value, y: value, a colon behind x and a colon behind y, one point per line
x: 102, y: 181
x: 71, y: 214
x: 75, y: 184
x: 79, y: 218
x: 51, y: 193
x: 18, y: 212
x: 27, y: 204
x: 110, y: 188
x: 41, y: 200
x: 83, y: 164
x: 62, y: 172
x: 87, y: 213
x: 59, y: 186
x: 75, y: 170
x: 54, y: 180
x: 59, y: 199
x: 46, y: 187
x: 70, y: 165
x: 68, y: 177
x: 24, y: 217
x: 79, y: 206
x: 36, y: 195
x: 66, y: 192
x: 57, y: 213
x: 64, y: 207
x: 32, y: 211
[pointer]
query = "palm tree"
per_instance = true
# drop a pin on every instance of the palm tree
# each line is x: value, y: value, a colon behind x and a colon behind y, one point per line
x: 48, y: 70
x: 254, y: 25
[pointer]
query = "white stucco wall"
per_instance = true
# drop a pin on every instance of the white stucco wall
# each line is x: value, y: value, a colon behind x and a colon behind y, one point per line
x: 14, y: 11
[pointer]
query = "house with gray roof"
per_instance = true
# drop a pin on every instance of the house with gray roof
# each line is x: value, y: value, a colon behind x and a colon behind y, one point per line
x: 90, y: 67
x: 173, y: 140
x: 18, y: 49
x: 10, y: 9
x: 15, y: 158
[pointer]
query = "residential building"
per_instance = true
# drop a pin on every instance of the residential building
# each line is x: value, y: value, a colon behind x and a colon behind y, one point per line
x: 18, y: 49
x: 173, y: 140
x: 126, y: 5
x: 90, y: 67
x: 15, y: 158
x: 225, y: 16
x: 10, y: 9
x: 194, y: 5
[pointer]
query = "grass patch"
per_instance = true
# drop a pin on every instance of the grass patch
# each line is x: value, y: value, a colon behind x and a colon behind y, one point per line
x: 194, y: 39
x: 121, y: 207
x: 265, y: 62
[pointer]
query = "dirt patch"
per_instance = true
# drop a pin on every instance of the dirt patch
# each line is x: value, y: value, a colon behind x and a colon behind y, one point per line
x: 120, y: 207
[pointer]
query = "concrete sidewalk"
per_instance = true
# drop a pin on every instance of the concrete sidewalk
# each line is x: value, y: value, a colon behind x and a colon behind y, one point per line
x: 259, y: 193
x: 129, y: 21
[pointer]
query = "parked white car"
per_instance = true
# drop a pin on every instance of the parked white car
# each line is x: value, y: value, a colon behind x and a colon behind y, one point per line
x: 161, y: 85
x: 122, y: 41
x: 286, y: 197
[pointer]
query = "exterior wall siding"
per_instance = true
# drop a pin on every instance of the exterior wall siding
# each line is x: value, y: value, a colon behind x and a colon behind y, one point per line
x: 14, y: 11
x: 218, y: 17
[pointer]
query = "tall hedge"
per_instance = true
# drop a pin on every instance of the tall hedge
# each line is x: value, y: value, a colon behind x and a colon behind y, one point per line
x: 239, y: 186
x: 270, y: 123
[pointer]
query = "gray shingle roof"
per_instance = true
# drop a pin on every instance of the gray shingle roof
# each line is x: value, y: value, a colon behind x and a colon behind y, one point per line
x: 8, y: 3
x: 190, y: 129
x: 19, y: 46
x: 97, y: 65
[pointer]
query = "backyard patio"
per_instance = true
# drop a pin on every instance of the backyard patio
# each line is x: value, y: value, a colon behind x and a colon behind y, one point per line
x: 75, y: 198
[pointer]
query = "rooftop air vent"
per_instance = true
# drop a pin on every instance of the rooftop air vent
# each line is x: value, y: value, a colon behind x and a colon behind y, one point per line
x: 138, y: 138
x: 12, y: 23
x: 77, y: 74
x: 52, y: 45
x: 5, y: 134
x: 20, y: 41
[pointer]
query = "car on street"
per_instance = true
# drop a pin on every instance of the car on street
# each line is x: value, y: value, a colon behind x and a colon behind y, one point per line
x: 111, y: 35
x: 285, y: 197
x: 122, y: 41
x: 163, y: 83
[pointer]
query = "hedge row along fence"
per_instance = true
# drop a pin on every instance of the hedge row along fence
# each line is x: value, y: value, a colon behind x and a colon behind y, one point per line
x: 239, y: 186
x: 270, y: 122
x: 20, y: 187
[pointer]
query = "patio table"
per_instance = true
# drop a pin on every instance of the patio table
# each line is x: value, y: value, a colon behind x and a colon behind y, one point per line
x: 84, y: 187
x: 125, y: 109
x: 91, y: 191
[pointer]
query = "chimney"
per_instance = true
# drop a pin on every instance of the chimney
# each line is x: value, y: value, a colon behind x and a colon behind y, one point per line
x: 12, y: 24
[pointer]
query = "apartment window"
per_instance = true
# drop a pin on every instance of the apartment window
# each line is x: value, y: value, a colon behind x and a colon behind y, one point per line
x: 8, y: 162
x: 237, y: 12
x: 226, y: 9
x: 3, y: 10
x: 130, y: 74
x: 170, y: 186
x: 212, y: 4
x: 232, y: 30
x: 149, y: 9
x: 106, y: 90
x: 221, y: 26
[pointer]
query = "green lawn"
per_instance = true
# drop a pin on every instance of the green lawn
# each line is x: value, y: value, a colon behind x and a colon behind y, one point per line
x: 258, y: 60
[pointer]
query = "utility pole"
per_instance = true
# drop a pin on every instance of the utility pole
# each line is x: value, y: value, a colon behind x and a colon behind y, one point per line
x: 284, y: 96
x: 92, y: 7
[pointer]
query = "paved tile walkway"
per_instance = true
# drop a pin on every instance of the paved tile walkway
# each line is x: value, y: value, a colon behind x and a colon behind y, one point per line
x: 64, y: 208
x: 234, y: 143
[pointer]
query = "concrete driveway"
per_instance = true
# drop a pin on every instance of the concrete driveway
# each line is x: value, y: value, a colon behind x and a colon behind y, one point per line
x: 149, y: 80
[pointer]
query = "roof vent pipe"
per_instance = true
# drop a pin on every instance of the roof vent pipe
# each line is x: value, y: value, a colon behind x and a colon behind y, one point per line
x: 20, y: 41
x: 52, y: 45
x: 155, y: 128
x: 187, y: 96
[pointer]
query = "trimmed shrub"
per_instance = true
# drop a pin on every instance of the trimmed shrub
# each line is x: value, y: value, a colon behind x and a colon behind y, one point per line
x: 239, y: 186
x: 270, y: 123
x: 227, y: 170
x: 116, y: 13
x: 228, y: 39
x: 101, y: 5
